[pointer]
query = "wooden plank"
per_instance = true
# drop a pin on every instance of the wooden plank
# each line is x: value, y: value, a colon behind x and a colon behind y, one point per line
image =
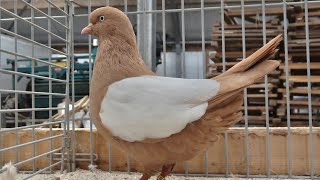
x: 299, y: 103
x: 257, y: 11
x: 269, y: 26
x: 258, y: 86
x: 302, y: 24
x: 304, y: 117
x: 256, y: 108
x: 300, y: 54
x: 310, y: 14
x: 270, y: 95
x: 216, y: 153
x: 301, y: 90
x: 292, y: 65
x: 302, y: 79
x: 218, y: 64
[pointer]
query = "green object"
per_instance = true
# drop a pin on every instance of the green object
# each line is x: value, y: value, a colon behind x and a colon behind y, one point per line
x: 81, y: 81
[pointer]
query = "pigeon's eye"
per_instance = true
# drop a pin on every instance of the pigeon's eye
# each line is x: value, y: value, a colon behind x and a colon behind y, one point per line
x: 101, y: 18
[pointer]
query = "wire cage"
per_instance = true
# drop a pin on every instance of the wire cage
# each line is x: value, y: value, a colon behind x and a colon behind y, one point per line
x: 46, y: 67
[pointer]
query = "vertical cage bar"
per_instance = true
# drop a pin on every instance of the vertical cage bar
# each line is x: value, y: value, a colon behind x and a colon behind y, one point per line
x: 223, y: 50
x: 223, y: 43
x: 33, y: 90
x: 285, y: 34
x: 109, y: 143
x: 206, y: 155
x: 183, y: 38
x: 206, y: 163
x: 50, y: 87
x: 63, y: 124
x: 245, y: 90
x: 129, y: 163
x: 311, y: 156
x: 266, y: 93
x: 203, y: 46
x: 110, y: 157
x: 164, y: 39
x: 226, y: 156
x: 15, y: 7
x: 69, y: 21
x: 73, y: 139
x: 90, y: 74
x: 1, y: 121
x: 186, y: 168
x: 141, y: 19
x: 125, y: 3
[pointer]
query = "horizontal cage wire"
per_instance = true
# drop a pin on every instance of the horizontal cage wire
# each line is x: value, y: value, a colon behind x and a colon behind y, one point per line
x: 46, y: 69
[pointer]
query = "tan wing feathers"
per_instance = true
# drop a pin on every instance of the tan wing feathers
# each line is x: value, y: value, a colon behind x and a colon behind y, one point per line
x: 233, y: 83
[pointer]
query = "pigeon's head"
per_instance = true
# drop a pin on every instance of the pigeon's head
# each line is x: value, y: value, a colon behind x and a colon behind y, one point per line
x: 107, y: 21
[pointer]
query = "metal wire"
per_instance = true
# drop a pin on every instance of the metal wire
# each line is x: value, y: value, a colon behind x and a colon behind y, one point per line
x: 44, y: 14
x: 285, y: 35
x: 16, y: 80
x: 183, y: 37
x: 90, y: 74
x: 50, y: 89
x: 164, y: 39
x: 266, y: 92
x: 16, y: 74
x: 245, y: 90
x: 31, y: 23
x: 31, y: 41
x: 311, y: 153
x: 68, y: 15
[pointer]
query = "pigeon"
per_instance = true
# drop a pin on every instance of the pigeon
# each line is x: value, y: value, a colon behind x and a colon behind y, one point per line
x: 160, y: 121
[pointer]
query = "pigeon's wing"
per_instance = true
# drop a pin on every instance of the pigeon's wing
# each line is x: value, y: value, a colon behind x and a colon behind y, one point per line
x: 153, y: 107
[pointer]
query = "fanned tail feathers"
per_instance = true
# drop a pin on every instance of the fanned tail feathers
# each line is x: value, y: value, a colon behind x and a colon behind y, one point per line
x: 241, y: 75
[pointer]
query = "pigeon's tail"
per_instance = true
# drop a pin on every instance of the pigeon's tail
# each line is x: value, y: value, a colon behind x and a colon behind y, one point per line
x: 9, y: 173
x: 246, y: 72
x: 264, y: 53
x: 233, y: 81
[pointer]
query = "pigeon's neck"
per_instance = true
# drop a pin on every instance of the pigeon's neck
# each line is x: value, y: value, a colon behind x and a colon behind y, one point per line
x: 119, y: 49
x: 119, y: 58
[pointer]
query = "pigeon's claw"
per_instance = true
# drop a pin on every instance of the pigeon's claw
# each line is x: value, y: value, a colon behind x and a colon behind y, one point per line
x: 166, y: 170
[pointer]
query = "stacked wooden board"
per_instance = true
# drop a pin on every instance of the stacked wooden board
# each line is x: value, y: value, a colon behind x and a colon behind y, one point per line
x: 297, y: 61
x: 256, y: 106
x: 297, y: 67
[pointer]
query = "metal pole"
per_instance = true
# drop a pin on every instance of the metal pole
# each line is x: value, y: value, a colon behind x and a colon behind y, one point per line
x: 164, y: 39
x: 311, y: 153
x: 50, y: 87
x: 183, y: 37
x: 146, y: 32
x: 285, y: 35
x: 245, y: 90
x: 33, y: 90
x: 266, y: 91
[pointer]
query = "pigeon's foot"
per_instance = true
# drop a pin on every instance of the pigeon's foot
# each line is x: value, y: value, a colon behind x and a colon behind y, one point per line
x: 166, y: 170
x: 144, y: 177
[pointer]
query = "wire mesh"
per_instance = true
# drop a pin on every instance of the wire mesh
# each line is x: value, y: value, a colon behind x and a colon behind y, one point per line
x: 28, y: 80
x: 144, y: 15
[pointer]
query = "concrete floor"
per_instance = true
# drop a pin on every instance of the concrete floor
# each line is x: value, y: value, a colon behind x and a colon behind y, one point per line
x: 102, y: 175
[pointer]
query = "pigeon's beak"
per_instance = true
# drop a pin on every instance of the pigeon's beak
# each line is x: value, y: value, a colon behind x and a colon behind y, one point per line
x: 87, y: 30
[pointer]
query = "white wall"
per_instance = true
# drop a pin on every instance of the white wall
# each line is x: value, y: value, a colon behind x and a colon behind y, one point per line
x: 194, y: 64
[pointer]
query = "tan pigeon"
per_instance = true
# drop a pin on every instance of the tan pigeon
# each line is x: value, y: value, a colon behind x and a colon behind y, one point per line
x: 162, y: 120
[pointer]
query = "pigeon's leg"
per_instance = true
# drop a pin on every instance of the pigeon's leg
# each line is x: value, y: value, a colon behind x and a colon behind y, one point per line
x: 144, y: 177
x: 166, y: 170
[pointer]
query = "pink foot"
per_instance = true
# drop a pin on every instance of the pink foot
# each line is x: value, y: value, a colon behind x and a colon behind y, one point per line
x: 166, y: 170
